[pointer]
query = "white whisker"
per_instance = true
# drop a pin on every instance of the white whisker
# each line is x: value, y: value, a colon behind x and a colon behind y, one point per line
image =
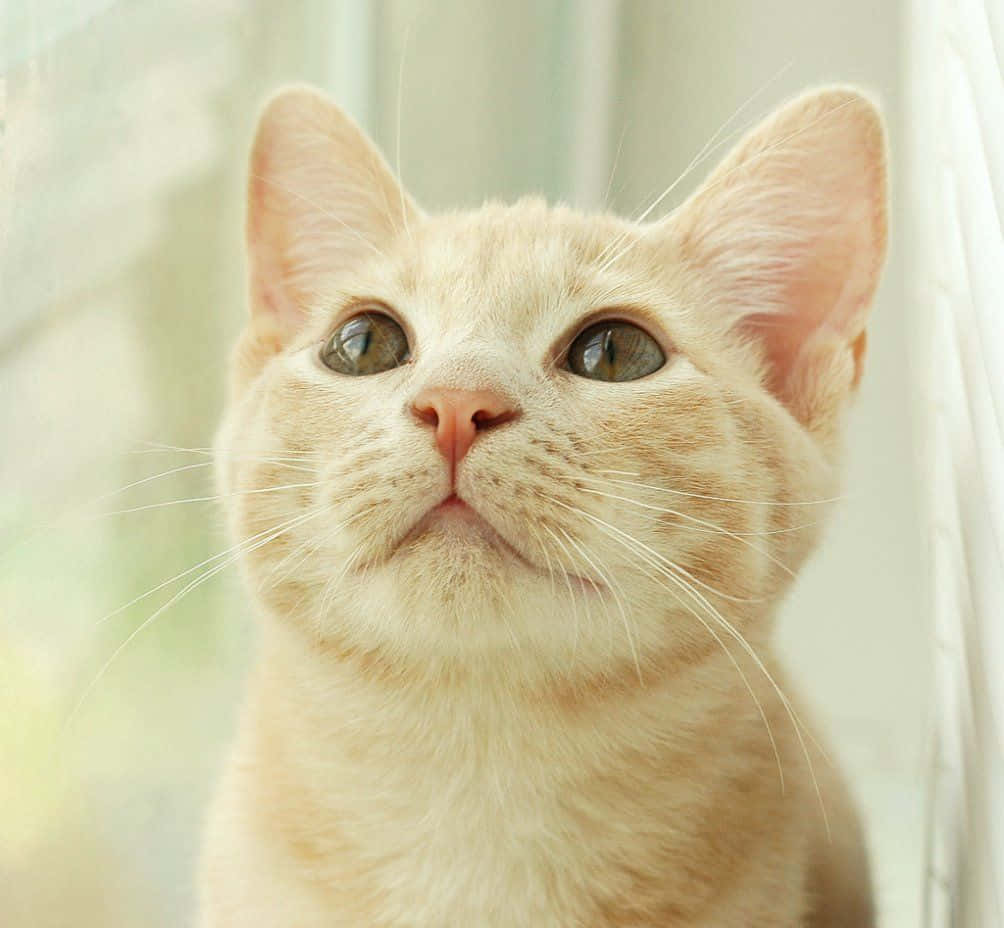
x: 152, y: 477
x: 715, y: 529
x: 333, y: 582
x: 717, y: 499
x: 185, y: 573
x: 198, y: 581
x: 617, y: 598
x: 743, y: 165
x: 571, y: 591
x: 709, y: 147
x: 545, y: 552
x: 281, y: 459
x: 653, y: 559
x: 613, y: 168
x: 156, y: 447
x: 397, y: 157
x: 209, y: 499
x: 732, y: 659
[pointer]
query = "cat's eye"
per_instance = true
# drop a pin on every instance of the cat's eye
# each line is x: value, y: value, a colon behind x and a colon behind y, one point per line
x: 369, y: 343
x: 614, y: 350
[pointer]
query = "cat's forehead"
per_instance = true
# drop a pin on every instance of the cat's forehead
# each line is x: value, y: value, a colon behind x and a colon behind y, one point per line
x: 502, y: 265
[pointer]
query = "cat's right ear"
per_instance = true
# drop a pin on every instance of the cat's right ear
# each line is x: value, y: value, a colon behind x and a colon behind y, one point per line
x: 789, y: 236
x: 321, y: 199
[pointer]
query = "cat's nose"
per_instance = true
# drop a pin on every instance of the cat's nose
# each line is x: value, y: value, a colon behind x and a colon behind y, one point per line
x: 459, y: 415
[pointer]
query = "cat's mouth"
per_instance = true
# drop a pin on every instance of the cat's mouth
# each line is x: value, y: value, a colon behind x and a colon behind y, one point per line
x: 457, y: 516
x: 453, y: 504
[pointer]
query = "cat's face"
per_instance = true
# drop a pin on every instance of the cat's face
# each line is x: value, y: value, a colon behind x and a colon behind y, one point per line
x: 525, y: 431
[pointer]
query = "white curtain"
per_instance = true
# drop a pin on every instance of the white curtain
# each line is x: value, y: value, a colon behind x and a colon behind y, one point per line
x: 957, y: 187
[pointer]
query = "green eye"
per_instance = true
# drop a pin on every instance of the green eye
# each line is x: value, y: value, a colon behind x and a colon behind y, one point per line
x: 614, y: 350
x: 369, y: 343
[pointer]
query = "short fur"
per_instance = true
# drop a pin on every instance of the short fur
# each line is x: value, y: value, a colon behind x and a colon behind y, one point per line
x: 571, y: 718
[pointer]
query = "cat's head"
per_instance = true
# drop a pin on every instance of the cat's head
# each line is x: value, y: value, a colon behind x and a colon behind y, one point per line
x: 528, y: 433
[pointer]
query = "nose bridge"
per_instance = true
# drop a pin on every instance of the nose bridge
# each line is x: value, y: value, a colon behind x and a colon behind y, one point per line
x: 474, y: 364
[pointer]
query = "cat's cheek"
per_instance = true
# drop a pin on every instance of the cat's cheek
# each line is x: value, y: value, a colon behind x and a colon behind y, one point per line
x: 257, y: 345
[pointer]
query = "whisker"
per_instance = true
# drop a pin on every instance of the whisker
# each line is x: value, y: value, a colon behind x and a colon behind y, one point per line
x: 151, y: 478
x: 718, y: 499
x: 613, y: 168
x: 209, y: 499
x: 198, y: 581
x: 307, y: 548
x: 304, y: 548
x: 400, y: 99
x: 156, y: 447
x: 77, y: 510
x: 617, y: 599
x: 184, y: 573
x: 714, y: 635
x: 286, y: 460
x: 717, y: 530
x: 571, y: 591
x: 765, y: 152
x: 709, y: 147
x: 711, y: 526
x: 333, y: 582
x: 716, y: 140
x: 545, y: 552
x: 797, y: 723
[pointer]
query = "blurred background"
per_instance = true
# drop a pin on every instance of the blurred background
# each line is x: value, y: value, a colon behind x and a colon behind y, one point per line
x: 124, y: 129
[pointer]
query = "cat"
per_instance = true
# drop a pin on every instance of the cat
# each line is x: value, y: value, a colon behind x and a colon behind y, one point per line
x: 519, y: 490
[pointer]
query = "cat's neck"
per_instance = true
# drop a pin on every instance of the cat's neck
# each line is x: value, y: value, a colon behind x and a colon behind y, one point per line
x: 325, y: 697
x: 361, y: 778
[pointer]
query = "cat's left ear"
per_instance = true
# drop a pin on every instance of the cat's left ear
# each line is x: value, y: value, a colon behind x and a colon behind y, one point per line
x: 790, y: 231
x: 321, y: 200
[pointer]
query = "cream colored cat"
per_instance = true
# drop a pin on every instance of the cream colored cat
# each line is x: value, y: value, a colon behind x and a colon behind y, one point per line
x: 542, y: 479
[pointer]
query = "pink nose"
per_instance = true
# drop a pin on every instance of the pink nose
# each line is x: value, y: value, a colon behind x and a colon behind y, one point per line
x: 458, y: 416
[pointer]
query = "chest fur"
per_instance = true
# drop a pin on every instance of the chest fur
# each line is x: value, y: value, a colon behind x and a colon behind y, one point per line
x: 477, y: 813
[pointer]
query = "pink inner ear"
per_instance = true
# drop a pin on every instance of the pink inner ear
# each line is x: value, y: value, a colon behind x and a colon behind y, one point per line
x: 827, y: 288
x: 782, y: 338
x: 269, y: 293
x: 267, y: 242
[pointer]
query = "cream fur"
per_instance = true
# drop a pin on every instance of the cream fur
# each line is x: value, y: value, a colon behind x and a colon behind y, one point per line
x: 458, y: 731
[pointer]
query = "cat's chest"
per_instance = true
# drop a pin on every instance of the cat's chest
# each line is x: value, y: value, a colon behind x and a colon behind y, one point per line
x: 464, y: 808
x: 462, y: 835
